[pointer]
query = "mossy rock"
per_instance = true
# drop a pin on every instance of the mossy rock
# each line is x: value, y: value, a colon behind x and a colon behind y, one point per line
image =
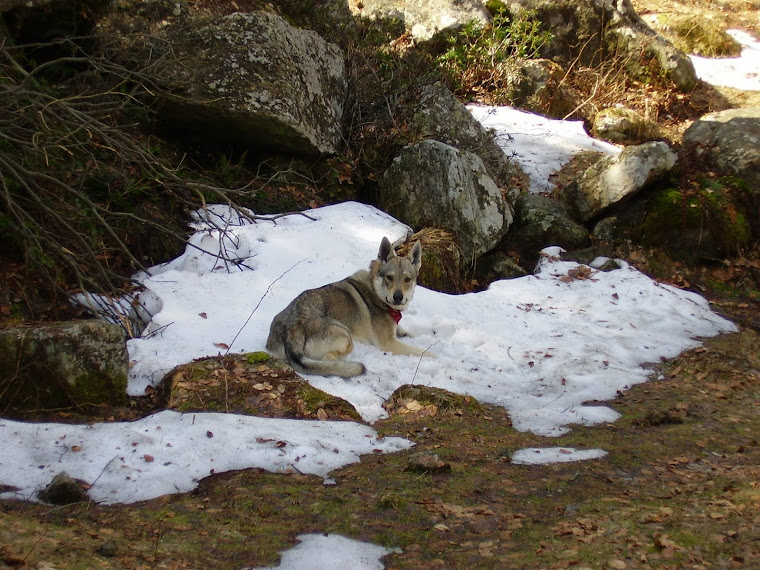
x: 705, y: 223
x: 696, y: 34
x: 253, y: 384
x: 62, y: 364
x: 426, y: 401
x: 624, y: 126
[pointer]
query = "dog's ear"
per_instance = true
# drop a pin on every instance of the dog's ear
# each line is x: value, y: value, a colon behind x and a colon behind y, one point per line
x: 386, y: 251
x: 415, y: 255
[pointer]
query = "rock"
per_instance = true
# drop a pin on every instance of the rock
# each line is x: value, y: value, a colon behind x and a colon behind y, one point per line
x: 441, y: 116
x: 248, y: 78
x: 587, y: 255
x: 434, y: 184
x: 427, y: 463
x: 252, y: 384
x: 8, y: 5
x: 537, y: 85
x: 108, y: 549
x: 64, y: 490
x: 615, y: 178
x: 608, y: 229
x: 728, y: 141
x: 424, y: 18
x: 706, y: 223
x: 623, y: 126
x: 62, y: 364
x: 497, y: 265
x: 541, y: 221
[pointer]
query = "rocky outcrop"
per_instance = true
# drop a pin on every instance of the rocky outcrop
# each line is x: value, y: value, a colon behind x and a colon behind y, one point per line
x: 249, y: 78
x: 616, y: 178
x: 424, y: 18
x: 589, y: 30
x: 434, y: 184
x: 728, y: 141
x: 63, y: 364
x: 441, y: 116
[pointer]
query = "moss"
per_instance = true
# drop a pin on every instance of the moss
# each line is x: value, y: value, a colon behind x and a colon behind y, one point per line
x: 257, y: 357
x: 704, y: 221
x: 698, y: 35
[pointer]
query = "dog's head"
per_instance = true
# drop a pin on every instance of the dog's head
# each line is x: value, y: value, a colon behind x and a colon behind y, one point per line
x: 394, y: 277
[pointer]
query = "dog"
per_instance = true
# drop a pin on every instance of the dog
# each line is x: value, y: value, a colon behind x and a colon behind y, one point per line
x: 319, y: 327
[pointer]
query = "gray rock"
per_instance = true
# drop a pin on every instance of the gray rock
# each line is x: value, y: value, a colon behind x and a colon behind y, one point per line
x: 434, y: 184
x: 728, y: 141
x: 63, y: 490
x: 59, y: 364
x: 541, y: 222
x: 615, y: 178
x: 608, y: 229
x: 250, y: 78
x: 497, y: 265
x: 623, y: 126
x: 109, y: 549
x: 425, y: 462
x: 441, y: 116
x: 424, y: 18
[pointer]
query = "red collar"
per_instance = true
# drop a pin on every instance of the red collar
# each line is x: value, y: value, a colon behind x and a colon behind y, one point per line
x: 395, y: 313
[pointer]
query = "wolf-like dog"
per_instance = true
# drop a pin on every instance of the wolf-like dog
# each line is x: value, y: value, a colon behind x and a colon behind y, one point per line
x: 319, y: 327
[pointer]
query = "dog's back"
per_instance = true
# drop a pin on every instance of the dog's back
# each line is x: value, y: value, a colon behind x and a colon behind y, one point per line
x: 317, y: 322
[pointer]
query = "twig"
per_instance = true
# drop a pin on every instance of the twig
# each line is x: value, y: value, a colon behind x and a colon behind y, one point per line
x: 258, y: 305
x: 419, y: 361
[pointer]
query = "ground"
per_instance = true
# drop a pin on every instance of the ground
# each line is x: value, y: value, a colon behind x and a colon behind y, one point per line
x: 679, y: 489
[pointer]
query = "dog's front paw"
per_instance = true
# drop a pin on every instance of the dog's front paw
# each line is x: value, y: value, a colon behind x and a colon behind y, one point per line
x: 402, y: 333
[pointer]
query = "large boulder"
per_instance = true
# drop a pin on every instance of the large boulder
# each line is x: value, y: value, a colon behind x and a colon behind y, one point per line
x: 705, y: 223
x: 541, y: 221
x: 249, y: 78
x: 63, y: 364
x: 729, y: 142
x: 441, y: 116
x: 616, y: 178
x: 424, y: 18
x: 434, y: 184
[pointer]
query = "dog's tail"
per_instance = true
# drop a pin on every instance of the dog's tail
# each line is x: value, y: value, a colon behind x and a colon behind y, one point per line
x: 342, y: 368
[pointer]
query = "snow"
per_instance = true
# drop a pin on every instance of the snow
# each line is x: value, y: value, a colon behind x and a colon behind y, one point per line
x: 317, y: 552
x: 537, y: 345
x: 541, y: 146
x: 541, y: 455
x: 741, y: 72
x: 169, y: 452
x: 540, y: 346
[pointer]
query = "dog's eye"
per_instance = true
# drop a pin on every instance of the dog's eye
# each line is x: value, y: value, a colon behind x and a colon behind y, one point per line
x: 407, y: 279
x: 389, y: 277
